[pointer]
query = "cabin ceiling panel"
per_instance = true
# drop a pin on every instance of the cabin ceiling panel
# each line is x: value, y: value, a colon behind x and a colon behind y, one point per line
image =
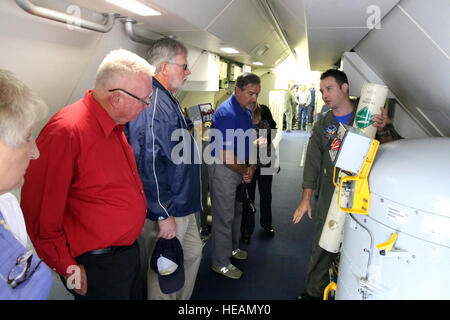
x: 65, y: 7
x: 203, y: 39
x: 331, y: 19
x: 246, y: 34
x: 199, y: 13
x: 344, y: 13
x: 429, y: 16
x: 208, y: 25
x: 276, y: 48
x: 411, y: 64
x: 197, y: 38
x: 328, y: 47
x: 168, y: 21
x: 291, y: 14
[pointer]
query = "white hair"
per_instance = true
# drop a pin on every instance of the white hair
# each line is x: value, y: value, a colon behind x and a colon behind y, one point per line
x: 20, y: 109
x: 118, y: 63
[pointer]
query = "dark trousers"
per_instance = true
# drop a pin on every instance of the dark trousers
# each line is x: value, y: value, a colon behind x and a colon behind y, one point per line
x: 112, y: 276
x: 265, y: 203
x: 310, y: 114
x: 204, y: 213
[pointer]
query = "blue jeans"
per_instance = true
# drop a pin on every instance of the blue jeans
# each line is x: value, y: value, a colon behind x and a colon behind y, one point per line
x: 302, y: 116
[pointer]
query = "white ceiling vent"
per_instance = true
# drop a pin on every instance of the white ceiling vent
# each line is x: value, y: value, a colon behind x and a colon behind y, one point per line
x: 262, y: 49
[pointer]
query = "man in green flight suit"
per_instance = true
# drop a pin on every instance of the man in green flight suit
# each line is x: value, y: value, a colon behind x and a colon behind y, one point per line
x: 290, y: 106
x: 318, y: 170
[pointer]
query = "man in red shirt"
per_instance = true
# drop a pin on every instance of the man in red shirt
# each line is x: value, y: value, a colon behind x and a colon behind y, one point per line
x: 83, y: 200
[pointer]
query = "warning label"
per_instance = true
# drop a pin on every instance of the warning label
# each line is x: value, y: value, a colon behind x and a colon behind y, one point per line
x: 399, y: 215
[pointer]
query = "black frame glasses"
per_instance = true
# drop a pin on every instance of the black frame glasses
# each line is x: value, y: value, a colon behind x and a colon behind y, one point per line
x: 147, y: 103
x: 21, y: 270
x: 184, y: 66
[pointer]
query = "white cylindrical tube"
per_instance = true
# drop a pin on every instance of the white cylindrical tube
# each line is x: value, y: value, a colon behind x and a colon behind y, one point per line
x: 333, y: 229
x: 373, y: 96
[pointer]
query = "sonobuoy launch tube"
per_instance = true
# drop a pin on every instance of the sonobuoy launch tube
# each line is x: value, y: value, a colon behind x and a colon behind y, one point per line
x: 373, y: 96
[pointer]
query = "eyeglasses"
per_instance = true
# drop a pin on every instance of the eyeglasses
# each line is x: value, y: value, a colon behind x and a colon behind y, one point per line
x: 184, y: 66
x: 147, y: 101
x: 21, y: 270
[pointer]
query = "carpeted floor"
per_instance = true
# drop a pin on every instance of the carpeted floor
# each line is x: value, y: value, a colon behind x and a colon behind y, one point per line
x: 276, y: 267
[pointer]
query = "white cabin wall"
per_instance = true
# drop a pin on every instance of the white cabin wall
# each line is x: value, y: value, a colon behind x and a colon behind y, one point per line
x: 410, y: 52
x: 193, y: 98
x: 189, y: 95
x: 359, y: 73
x: 405, y: 125
x: 268, y: 78
x: 58, y: 63
x: 216, y: 98
x: 222, y: 95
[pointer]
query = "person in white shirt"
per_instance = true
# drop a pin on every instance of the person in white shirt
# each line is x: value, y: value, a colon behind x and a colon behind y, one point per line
x: 303, y: 98
x: 22, y: 274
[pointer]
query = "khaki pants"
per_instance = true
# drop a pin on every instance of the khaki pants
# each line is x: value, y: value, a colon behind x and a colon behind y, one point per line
x: 189, y: 237
x: 289, y: 117
x: 226, y: 213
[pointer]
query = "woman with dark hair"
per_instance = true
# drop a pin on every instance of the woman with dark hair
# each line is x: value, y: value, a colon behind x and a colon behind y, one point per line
x: 266, y: 166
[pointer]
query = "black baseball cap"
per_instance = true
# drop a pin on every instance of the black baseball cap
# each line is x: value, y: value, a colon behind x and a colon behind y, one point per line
x: 167, y: 261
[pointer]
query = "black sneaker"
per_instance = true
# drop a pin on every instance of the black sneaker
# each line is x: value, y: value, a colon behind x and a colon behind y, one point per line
x: 204, y: 235
x: 245, y: 238
x: 269, y: 231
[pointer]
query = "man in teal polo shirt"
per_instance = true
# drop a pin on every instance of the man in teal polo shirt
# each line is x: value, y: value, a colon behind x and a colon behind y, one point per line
x: 232, y: 122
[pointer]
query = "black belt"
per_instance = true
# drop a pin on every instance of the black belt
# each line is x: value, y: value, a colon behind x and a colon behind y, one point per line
x: 108, y: 250
x: 101, y: 251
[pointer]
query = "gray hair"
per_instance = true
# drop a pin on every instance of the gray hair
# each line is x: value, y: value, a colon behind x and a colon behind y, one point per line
x: 20, y: 109
x: 165, y: 50
x: 118, y: 63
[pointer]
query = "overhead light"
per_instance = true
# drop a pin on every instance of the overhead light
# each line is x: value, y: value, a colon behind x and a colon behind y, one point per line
x: 229, y: 50
x: 136, y: 7
x: 257, y: 63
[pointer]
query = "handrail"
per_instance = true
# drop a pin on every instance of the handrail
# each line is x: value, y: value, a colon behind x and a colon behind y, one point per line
x: 65, y: 18
x: 129, y: 28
